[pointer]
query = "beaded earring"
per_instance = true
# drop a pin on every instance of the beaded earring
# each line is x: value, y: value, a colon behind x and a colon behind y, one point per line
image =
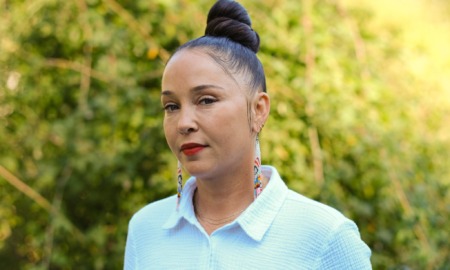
x: 257, y: 169
x: 179, y: 183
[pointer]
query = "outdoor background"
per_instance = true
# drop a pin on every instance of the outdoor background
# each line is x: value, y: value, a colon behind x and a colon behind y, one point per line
x: 360, y: 120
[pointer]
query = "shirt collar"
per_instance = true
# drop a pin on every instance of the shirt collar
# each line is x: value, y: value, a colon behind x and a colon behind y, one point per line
x: 185, y: 209
x: 256, y: 219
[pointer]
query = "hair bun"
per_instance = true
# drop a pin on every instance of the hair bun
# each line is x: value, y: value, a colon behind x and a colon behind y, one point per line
x: 229, y: 19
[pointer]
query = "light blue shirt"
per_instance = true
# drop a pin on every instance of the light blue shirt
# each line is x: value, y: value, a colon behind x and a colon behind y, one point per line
x: 281, y: 229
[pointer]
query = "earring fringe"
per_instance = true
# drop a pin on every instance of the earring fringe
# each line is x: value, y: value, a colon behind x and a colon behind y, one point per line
x: 257, y: 169
x: 179, y: 184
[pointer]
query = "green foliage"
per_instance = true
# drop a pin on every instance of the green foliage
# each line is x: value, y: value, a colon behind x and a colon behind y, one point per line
x: 354, y: 123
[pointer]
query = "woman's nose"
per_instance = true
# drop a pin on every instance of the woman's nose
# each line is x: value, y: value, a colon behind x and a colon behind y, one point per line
x: 187, y: 122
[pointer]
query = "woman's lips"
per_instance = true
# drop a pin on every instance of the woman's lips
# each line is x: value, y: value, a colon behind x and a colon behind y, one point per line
x: 191, y: 149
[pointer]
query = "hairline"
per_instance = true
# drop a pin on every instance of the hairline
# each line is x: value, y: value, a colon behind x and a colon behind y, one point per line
x: 207, y: 50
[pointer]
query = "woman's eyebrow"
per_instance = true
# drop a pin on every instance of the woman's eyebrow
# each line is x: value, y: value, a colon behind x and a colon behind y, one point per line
x: 205, y: 86
x: 166, y: 93
x: 198, y: 88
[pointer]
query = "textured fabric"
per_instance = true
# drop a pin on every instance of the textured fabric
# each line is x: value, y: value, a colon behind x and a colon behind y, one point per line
x: 279, y: 230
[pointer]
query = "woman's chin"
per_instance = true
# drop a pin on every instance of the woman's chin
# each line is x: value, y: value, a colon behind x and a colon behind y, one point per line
x: 199, y: 171
x: 196, y: 169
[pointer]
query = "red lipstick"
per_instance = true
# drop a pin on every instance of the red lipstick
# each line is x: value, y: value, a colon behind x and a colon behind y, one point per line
x: 190, y: 149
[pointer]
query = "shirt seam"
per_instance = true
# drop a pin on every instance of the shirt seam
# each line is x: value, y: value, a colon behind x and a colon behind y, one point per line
x: 326, y: 243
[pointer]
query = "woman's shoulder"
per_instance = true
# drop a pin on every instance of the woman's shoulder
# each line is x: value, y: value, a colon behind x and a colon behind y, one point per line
x: 313, y: 207
x: 312, y: 214
x: 299, y: 209
x: 333, y: 236
x: 154, y: 212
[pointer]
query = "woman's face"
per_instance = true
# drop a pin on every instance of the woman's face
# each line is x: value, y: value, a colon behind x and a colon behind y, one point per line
x: 206, y: 121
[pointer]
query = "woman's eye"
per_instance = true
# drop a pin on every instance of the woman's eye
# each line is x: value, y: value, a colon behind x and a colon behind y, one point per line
x: 170, y: 107
x: 206, y: 101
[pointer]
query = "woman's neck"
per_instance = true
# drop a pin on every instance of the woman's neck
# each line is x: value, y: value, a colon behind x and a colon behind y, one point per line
x: 221, y: 200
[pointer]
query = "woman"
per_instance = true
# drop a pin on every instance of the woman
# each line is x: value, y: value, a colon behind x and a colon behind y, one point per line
x: 232, y: 213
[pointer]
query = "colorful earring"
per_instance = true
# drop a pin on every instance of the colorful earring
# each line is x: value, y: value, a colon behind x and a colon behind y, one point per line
x: 257, y: 170
x: 179, y: 184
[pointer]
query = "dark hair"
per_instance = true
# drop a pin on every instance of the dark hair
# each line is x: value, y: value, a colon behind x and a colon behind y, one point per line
x: 230, y: 40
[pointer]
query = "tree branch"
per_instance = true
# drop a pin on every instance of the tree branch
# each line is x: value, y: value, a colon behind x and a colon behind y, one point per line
x: 25, y: 189
x: 38, y: 198
x: 316, y: 150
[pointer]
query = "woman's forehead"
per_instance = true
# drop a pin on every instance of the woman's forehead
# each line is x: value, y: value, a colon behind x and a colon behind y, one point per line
x: 196, y: 66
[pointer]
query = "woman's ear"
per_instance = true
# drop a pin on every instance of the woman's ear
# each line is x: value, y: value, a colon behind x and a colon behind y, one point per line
x: 261, y: 107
